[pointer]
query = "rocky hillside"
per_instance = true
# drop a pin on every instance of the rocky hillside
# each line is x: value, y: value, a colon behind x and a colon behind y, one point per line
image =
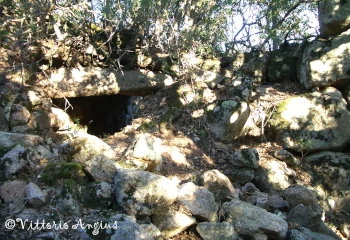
x: 250, y: 147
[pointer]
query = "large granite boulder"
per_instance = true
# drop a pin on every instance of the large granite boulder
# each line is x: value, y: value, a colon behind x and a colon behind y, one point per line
x: 273, y: 176
x: 199, y: 201
x: 96, y: 157
x: 219, y: 184
x: 171, y: 222
x: 249, y: 220
x: 331, y: 170
x: 242, y: 165
x: 326, y: 62
x: 96, y: 81
x: 312, y: 122
x: 334, y: 17
x: 143, y: 193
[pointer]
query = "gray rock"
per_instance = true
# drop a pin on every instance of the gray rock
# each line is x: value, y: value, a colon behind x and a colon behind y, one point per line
x: 199, y: 201
x: 330, y: 170
x: 249, y: 220
x: 319, y: 123
x: 246, y: 158
x: 19, y: 115
x: 226, y: 119
x: 272, y: 176
x: 287, y: 157
x: 306, y: 234
x: 277, y: 202
x: 306, y: 216
x: 34, y: 98
x: 152, y: 230
x: 172, y: 222
x: 13, y: 194
x: 325, y: 63
x: 32, y: 215
x: 333, y: 17
x: 94, y: 81
x: 9, y: 140
x: 210, y: 78
x: 216, y: 231
x: 36, y: 198
x: 13, y: 161
x: 260, y: 199
x: 149, y: 150
x: 4, y: 126
x: 343, y: 205
x: 130, y: 231
x: 219, y: 184
x: 298, y: 194
x: 96, y: 157
x: 66, y: 199
x: 97, y: 195
x: 144, y: 193
x: 119, y: 226
x: 60, y: 120
x: 249, y: 188
x: 239, y: 175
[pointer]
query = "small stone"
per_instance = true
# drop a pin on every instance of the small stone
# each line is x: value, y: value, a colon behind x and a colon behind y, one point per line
x: 216, y: 231
x: 36, y: 197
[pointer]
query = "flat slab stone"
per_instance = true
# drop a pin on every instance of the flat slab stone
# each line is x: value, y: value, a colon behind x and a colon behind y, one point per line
x: 96, y: 81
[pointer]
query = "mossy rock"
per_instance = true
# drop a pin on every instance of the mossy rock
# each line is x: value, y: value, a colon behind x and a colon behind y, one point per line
x: 311, y: 122
x: 56, y: 171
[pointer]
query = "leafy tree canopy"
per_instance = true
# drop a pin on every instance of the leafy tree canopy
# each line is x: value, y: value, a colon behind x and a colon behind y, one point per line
x: 204, y: 27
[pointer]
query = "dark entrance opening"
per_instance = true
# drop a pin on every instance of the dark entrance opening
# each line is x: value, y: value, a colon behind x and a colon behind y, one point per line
x: 103, y: 115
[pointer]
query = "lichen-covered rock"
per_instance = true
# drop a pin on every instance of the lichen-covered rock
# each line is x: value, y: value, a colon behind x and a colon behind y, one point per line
x: 13, y: 194
x: 326, y: 63
x: 114, y: 226
x: 241, y: 165
x: 330, y: 170
x: 298, y: 194
x: 199, y: 201
x: 96, y: 157
x: 306, y: 216
x: 19, y: 116
x: 97, y: 195
x: 219, y: 184
x: 59, y: 119
x: 273, y: 176
x: 246, y: 158
x: 36, y: 197
x: 216, y: 230
x: 312, y: 122
x: 226, y: 119
x: 96, y: 81
x: 67, y: 199
x: 9, y: 140
x: 144, y: 193
x: 333, y: 17
x: 302, y: 233
x: 4, y: 126
x: 239, y: 175
x: 148, y: 150
x: 13, y: 161
x: 249, y: 220
x: 286, y: 157
x: 277, y: 202
x: 172, y: 222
